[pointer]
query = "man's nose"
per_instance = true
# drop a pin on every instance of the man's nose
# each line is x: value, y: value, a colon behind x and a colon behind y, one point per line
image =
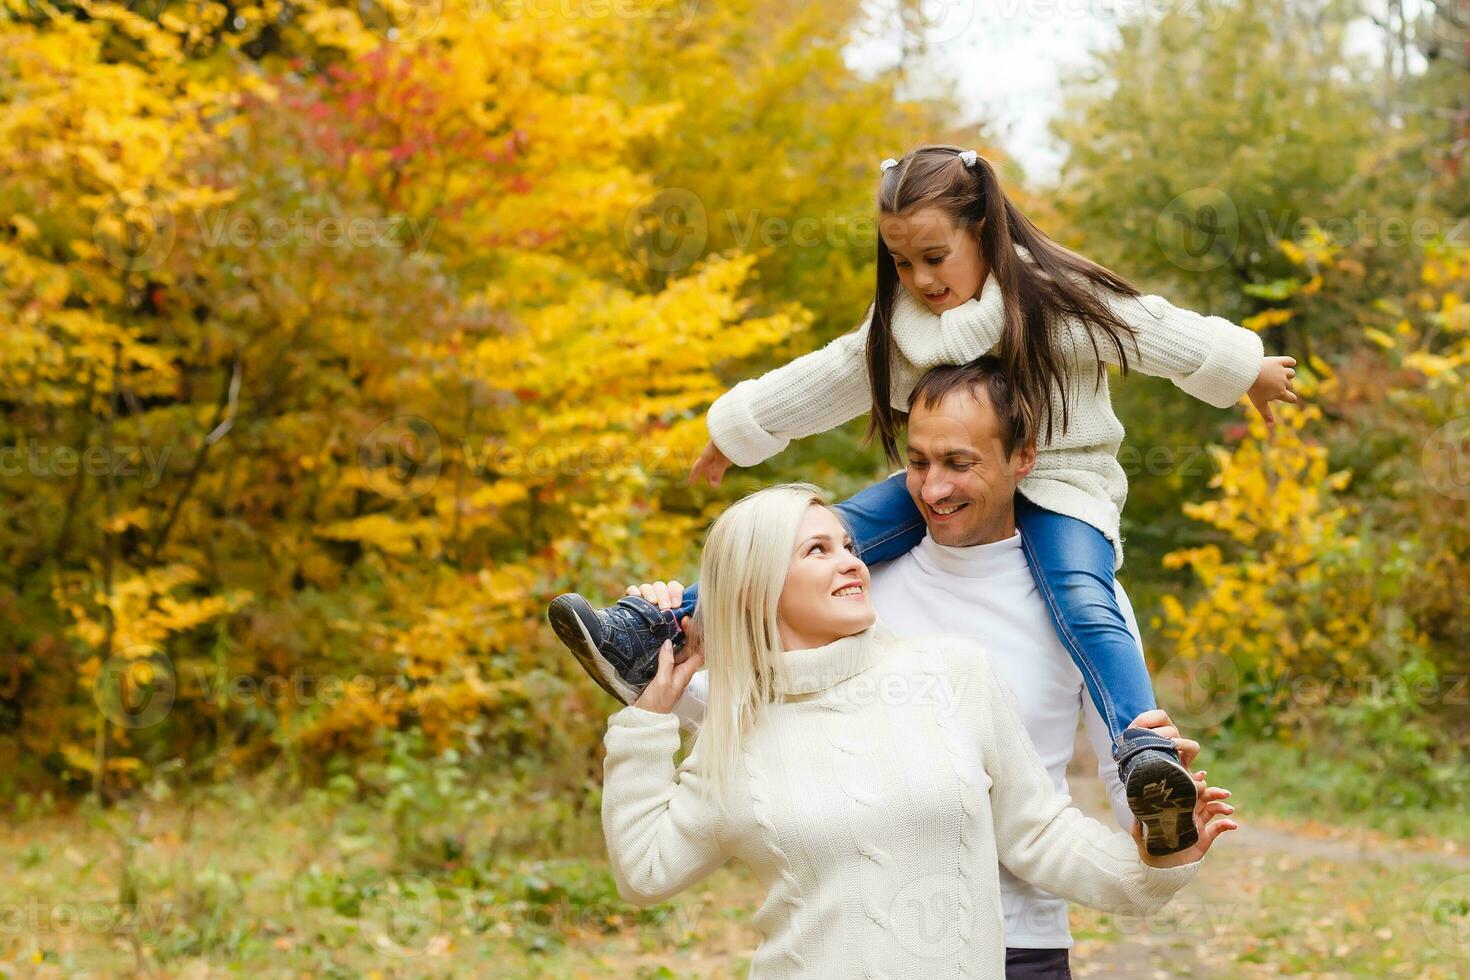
x: 936, y: 486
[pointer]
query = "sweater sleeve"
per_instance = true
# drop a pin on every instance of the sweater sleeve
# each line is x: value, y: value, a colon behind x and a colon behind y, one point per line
x: 662, y: 833
x: 1042, y: 838
x: 759, y: 417
x: 1208, y: 357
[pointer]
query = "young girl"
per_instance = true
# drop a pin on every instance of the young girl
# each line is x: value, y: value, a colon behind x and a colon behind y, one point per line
x: 963, y: 273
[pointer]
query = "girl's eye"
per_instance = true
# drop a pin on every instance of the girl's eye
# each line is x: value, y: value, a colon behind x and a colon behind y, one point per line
x: 815, y: 547
x: 917, y: 464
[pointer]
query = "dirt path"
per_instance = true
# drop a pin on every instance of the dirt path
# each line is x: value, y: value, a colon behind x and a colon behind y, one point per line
x: 1209, y: 917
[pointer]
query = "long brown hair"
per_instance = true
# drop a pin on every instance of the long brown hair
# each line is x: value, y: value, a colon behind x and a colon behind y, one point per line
x: 1036, y: 294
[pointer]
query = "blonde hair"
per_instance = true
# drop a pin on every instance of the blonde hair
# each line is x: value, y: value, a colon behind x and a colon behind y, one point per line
x: 741, y: 574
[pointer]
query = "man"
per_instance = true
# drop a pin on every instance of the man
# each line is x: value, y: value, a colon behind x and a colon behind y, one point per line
x: 967, y: 451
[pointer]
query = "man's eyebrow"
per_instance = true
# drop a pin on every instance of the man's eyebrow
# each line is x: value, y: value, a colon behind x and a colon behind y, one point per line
x: 951, y: 454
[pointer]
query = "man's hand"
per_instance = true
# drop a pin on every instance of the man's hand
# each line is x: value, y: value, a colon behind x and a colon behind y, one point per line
x: 1159, y: 723
x: 1273, y: 384
x: 1209, y: 804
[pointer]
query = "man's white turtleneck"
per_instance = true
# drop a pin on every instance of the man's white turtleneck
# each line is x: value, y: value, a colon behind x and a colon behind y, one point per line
x: 987, y: 592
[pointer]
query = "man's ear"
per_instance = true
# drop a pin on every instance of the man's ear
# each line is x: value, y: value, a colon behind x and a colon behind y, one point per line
x: 1023, y: 460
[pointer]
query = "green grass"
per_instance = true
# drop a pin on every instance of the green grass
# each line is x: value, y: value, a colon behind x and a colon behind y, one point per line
x: 1344, y: 785
x: 344, y: 881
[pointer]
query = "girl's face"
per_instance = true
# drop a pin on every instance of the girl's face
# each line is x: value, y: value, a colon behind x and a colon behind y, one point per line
x: 940, y: 265
x: 825, y: 596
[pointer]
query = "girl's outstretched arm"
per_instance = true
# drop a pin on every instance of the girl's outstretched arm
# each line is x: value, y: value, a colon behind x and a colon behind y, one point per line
x: 759, y: 417
x: 1208, y: 357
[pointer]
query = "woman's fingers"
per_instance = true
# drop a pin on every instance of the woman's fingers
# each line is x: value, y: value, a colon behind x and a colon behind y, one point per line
x: 1188, y: 749
x: 676, y: 594
x: 684, y: 671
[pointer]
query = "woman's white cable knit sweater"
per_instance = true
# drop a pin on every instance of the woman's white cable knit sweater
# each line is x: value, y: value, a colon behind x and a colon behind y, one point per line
x: 1076, y: 474
x: 876, y: 803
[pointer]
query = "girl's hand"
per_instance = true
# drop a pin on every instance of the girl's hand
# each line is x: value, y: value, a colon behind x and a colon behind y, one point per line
x: 1273, y: 384
x: 711, y: 464
x: 663, y: 692
x: 1208, y: 806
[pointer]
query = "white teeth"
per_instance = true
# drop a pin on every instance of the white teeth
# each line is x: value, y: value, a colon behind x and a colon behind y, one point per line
x: 946, y: 510
x: 850, y: 590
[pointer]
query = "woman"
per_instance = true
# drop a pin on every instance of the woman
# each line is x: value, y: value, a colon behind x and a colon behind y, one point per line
x: 873, y: 784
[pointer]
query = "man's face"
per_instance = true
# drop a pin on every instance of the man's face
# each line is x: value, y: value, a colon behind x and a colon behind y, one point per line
x: 958, y: 473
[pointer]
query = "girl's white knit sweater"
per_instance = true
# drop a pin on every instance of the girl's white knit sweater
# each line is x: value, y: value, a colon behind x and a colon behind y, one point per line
x: 875, y: 802
x: 1076, y: 474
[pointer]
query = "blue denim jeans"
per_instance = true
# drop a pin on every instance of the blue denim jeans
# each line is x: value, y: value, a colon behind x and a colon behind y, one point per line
x: 1072, y: 562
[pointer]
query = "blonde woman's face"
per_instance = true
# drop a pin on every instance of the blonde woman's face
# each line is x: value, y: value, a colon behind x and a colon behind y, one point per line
x: 940, y: 265
x: 826, y: 593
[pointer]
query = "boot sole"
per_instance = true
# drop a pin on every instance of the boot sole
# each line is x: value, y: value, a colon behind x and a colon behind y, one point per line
x: 566, y: 614
x: 1162, y: 796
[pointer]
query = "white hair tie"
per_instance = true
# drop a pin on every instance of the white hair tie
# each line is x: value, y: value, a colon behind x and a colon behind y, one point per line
x: 969, y: 157
x: 890, y: 162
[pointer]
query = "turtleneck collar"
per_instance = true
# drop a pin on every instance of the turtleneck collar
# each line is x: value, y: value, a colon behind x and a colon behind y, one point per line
x: 819, y: 668
x: 1002, y: 557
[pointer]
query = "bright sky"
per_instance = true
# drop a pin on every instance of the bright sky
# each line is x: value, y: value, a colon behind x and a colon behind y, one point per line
x: 1007, y: 57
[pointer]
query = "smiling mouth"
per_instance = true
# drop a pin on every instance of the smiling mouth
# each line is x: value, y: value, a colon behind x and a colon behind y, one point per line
x: 945, y: 513
x: 848, y: 591
x: 936, y: 297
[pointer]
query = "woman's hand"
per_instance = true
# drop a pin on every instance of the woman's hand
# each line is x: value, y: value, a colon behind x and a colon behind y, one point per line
x: 663, y: 692
x: 1210, y: 820
x: 1273, y: 384
x: 711, y: 464
x: 673, y: 675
